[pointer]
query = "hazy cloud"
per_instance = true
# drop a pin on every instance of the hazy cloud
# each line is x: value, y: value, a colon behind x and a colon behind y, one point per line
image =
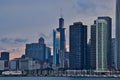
x: 18, y: 40
x: 13, y: 41
x: 94, y: 7
x: 2, y: 49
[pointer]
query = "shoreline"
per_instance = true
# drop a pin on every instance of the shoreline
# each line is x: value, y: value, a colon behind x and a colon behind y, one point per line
x: 67, y: 76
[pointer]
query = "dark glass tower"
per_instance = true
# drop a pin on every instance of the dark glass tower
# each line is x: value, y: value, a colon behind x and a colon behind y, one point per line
x: 118, y: 33
x: 113, y: 48
x: 62, y: 46
x: 93, y: 48
x: 61, y: 29
x: 56, y: 48
x: 78, y: 46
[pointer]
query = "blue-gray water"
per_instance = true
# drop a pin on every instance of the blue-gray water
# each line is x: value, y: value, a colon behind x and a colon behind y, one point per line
x: 54, y: 78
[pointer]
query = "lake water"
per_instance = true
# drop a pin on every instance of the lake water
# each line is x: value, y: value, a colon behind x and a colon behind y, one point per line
x: 54, y: 78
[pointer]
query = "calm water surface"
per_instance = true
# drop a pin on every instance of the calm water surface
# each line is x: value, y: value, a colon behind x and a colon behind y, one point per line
x: 54, y: 78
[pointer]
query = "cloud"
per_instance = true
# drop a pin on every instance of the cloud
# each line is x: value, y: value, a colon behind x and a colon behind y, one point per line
x: 94, y: 7
x: 18, y: 40
x: 6, y: 40
x: 2, y: 49
x: 13, y: 41
x: 85, y: 6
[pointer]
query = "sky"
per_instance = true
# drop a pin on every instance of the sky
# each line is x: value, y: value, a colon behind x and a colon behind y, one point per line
x: 25, y: 21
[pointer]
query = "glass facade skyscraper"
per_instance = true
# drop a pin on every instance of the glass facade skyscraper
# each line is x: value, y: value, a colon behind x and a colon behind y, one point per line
x: 93, y: 48
x: 109, y: 40
x: 62, y: 44
x: 118, y: 33
x: 62, y: 31
x: 78, y: 46
x: 56, y: 48
x: 101, y: 45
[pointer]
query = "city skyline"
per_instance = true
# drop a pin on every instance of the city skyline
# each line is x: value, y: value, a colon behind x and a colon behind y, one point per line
x: 23, y: 21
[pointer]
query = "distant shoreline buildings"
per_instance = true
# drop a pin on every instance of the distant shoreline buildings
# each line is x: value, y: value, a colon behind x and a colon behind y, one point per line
x: 100, y: 53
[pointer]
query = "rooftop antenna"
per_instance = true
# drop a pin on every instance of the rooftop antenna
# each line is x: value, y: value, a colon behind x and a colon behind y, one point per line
x: 61, y: 11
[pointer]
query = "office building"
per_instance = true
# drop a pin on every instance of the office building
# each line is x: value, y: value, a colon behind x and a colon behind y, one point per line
x: 118, y: 33
x: 62, y: 44
x: 14, y: 64
x: 56, y: 48
x: 4, y: 65
x: 36, y: 50
x: 113, y: 59
x: 78, y: 46
x: 29, y: 64
x: 101, y: 45
x: 109, y: 40
x: 93, y: 48
x: 62, y: 32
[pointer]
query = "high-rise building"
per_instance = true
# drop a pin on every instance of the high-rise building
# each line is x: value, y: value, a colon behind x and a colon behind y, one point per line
x: 88, y: 55
x: 36, y: 50
x: 78, y: 46
x: 62, y: 43
x: 109, y: 40
x: 118, y: 33
x: 61, y: 29
x: 56, y: 48
x: 5, y: 56
x: 113, y: 48
x: 93, y: 48
x: 101, y: 45
x: 100, y: 52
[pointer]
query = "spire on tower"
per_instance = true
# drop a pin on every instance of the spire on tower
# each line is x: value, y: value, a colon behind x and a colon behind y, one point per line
x: 61, y: 13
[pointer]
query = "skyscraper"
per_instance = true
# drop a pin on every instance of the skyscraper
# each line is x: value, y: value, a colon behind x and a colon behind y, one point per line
x: 78, y: 46
x: 113, y: 48
x: 118, y: 33
x: 61, y: 29
x: 103, y: 43
x: 56, y: 48
x: 109, y: 40
x: 101, y: 56
x: 93, y: 48
x: 62, y: 43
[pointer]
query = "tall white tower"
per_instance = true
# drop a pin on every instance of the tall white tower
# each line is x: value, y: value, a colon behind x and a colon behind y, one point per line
x: 101, y: 45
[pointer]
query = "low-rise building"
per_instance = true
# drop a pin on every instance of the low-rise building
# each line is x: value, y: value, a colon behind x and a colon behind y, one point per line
x: 28, y: 64
x: 4, y: 65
